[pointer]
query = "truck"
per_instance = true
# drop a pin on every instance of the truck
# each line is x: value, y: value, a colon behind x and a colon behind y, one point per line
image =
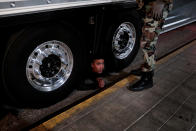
x: 46, y: 44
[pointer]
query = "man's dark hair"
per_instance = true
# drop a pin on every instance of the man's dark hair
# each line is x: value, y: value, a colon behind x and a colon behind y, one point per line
x: 96, y: 56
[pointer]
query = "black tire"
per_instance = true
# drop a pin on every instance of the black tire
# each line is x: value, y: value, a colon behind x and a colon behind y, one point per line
x: 19, y: 49
x: 113, y: 63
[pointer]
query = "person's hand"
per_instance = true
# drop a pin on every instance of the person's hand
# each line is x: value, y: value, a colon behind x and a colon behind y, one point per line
x: 101, y: 82
x: 157, y: 9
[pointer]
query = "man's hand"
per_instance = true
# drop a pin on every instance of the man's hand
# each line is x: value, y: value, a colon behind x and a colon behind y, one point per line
x: 101, y: 82
x: 157, y: 9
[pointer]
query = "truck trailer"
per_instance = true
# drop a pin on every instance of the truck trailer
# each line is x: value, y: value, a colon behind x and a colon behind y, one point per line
x: 46, y: 44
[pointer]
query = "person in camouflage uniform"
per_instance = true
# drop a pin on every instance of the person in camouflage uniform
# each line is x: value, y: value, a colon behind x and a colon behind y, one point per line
x: 154, y: 13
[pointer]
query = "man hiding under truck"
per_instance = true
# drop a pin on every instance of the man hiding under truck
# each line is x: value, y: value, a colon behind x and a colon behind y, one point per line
x: 94, y: 77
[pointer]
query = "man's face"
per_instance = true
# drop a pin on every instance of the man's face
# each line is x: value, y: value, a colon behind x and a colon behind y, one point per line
x: 98, y: 65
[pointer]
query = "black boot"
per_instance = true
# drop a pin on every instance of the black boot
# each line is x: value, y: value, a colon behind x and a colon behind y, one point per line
x: 145, y: 82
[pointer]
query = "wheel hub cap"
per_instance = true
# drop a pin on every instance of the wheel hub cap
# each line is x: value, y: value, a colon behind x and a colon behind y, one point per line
x: 124, y: 40
x: 49, y: 66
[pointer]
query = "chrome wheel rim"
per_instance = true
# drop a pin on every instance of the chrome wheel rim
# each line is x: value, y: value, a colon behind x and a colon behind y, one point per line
x: 49, y: 66
x: 124, y: 40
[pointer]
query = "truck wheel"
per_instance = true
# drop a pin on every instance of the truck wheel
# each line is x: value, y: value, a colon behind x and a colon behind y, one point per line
x: 123, y: 40
x: 42, y: 64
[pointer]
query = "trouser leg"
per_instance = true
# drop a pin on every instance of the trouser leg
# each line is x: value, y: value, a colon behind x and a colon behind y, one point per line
x: 150, y: 33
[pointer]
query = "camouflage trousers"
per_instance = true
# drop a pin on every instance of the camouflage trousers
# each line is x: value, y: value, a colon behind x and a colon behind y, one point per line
x: 150, y: 32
